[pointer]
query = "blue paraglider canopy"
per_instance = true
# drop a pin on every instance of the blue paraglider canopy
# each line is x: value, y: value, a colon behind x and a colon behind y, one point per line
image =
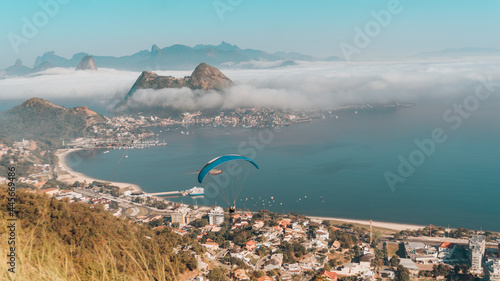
x: 219, y: 160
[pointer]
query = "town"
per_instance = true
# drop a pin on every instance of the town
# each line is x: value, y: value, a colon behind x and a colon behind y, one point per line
x: 269, y: 246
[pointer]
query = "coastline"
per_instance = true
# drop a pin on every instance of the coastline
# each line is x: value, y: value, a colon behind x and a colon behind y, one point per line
x: 387, y: 225
x: 67, y: 175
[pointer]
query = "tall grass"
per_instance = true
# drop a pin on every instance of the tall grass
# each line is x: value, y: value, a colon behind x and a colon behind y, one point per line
x: 68, y: 241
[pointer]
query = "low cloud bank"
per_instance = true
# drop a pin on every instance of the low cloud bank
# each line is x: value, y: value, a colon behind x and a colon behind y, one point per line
x: 305, y: 86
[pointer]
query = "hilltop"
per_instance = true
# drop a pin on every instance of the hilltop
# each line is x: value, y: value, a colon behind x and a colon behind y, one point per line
x: 58, y: 240
x: 204, y: 77
x: 39, y: 119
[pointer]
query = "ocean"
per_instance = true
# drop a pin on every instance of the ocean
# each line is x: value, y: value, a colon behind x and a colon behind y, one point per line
x: 340, y: 167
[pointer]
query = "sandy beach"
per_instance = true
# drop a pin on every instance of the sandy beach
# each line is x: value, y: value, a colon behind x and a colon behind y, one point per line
x: 66, y: 174
x: 387, y: 225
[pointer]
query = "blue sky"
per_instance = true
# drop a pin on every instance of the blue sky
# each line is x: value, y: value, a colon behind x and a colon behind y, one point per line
x: 315, y: 27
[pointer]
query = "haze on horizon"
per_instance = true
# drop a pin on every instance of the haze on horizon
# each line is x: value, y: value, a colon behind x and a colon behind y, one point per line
x: 315, y: 27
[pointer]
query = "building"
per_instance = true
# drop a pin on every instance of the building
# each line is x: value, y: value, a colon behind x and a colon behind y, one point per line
x: 445, y: 250
x: 421, y: 252
x: 493, y: 270
x: 179, y: 216
x: 332, y: 276
x: 216, y: 216
x: 250, y: 245
x: 240, y: 274
x: 411, y: 266
x: 265, y: 278
x: 50, y: 191
x: 477, y: 245
x: 192, y: 216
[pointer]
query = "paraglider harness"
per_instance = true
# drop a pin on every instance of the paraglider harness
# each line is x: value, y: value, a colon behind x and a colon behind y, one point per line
x: 232, y: 209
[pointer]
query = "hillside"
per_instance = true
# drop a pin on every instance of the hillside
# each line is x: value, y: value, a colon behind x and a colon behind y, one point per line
x: 39, y: 119
x: 204, y: 77
x: 57, y: 240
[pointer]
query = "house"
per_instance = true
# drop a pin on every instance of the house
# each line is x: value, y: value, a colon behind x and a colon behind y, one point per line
x: 445, y: 250
x: 211, y: 245
x: 265, y: 278
x: 351, y: 269
x: 237, y: 252
x: 50, y: 191
x: 250, y: 245
x: 293, y: 268
x: 332, y: 276
x: 285, y: 276
x: 258, y: 224
x: 274, y: 262
x: 322, y: 234
x: 411, y: 266
x: 240, y: 274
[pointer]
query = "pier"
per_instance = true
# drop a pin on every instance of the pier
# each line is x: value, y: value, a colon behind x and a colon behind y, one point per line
x: 166, y: 193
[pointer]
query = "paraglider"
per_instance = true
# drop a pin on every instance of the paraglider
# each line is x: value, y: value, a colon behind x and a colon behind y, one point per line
x: 232, y: 177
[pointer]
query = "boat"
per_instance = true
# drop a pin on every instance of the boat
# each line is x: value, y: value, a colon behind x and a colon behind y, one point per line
x: 196, y: 191
x: 107, y: 151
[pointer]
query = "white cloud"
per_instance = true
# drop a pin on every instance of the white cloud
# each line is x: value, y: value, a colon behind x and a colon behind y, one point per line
x: 307, y: 85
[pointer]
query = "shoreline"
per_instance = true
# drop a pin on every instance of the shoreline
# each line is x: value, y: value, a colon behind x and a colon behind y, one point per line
x: 396, y: 226
x: 68, y: 175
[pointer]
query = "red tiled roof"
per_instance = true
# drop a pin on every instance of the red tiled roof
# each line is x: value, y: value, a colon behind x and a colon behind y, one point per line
x: 447, y: 245
x: 331, y: 275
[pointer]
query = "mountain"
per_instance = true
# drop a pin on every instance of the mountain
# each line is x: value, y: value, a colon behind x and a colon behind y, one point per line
x: 18, y: 69
x: 461, y: 52
x: 177, y: 57
x: 204, y: 77
x: 39, y: 119
x: 87, y: 63
x: 42, y: 66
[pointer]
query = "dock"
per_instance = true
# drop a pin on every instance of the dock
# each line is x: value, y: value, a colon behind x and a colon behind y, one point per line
x: 166, y: 193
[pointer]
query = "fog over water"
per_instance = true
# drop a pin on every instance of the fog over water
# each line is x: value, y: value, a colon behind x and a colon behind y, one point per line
x: 304, y: 86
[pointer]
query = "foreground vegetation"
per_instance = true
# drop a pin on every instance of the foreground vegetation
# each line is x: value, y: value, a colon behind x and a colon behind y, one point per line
x: 57, y: 240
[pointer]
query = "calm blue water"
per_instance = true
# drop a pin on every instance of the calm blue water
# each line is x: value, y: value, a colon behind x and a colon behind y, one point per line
x: 343, y: 161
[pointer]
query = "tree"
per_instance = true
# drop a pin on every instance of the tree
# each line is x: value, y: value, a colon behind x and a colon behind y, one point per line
x: 217, y: 274
x: 395, y: 261
x: 402, y: 274
x: 113, y: 205
x: 377, y: 264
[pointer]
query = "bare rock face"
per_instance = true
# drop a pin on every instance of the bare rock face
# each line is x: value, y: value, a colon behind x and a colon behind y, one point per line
x: 207, y: 77
x: 87, y: 63
x: 204, y: 77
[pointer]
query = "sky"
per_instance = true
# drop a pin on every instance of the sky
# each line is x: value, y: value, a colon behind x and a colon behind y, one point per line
x: 314, y: 27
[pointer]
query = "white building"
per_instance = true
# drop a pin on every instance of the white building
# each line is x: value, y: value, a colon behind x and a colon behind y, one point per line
x: 179, y: 215
x: 216, y: 216
x: 477, y: 245
x: 493, y: 272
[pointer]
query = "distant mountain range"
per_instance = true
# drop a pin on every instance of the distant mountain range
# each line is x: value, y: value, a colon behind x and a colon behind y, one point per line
x: 175, y: 57
x: 461, y: 52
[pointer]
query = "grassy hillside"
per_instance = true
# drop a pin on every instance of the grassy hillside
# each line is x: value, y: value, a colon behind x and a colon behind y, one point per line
x: 38, y: 119
x: 57, y: 240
